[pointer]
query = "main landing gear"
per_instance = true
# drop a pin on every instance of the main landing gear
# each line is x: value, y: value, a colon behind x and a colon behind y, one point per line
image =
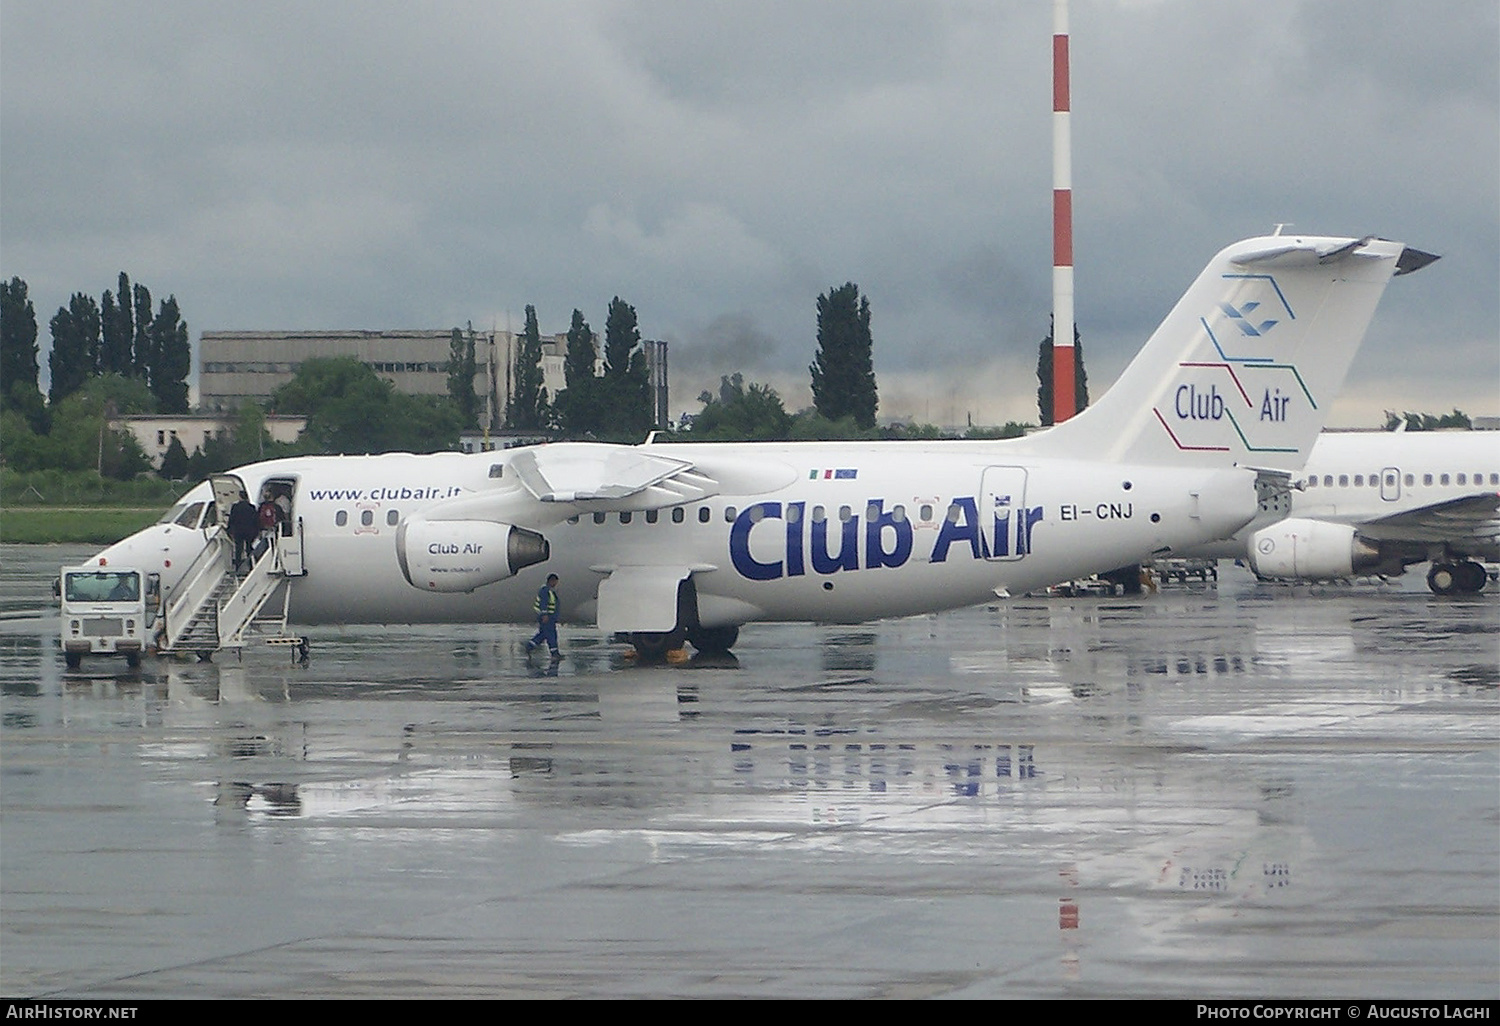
x: 706, y: 640
x: 1465, y: 578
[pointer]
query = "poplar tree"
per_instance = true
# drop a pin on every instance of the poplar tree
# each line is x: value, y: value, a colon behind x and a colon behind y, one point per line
x: 577, y: 402
x: 461, y: 369
x: 843, y: 373
x: 19, y: 367
x: 527, y: 410
x: 75, y: 346
x: 625, y: 409
x: 172, y: 358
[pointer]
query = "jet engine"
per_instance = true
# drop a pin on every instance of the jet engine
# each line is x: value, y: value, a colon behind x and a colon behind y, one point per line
x: 1299, y: 549
x: 461, y: 555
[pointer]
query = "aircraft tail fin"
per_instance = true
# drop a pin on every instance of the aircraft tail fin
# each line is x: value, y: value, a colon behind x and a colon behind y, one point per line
x: 1243, y: 370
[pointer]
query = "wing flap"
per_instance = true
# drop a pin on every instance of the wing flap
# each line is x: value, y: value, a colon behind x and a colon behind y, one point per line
x: 1468, y: 519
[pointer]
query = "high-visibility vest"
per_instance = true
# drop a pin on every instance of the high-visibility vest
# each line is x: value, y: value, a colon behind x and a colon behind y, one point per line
x: 546, y: 601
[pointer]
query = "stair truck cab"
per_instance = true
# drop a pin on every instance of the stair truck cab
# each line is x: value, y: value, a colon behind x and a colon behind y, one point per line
x: 106, y: 611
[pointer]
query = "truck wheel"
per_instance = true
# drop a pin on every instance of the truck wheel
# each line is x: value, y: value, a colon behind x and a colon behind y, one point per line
x: 73, y: 659
x: 133, y: 660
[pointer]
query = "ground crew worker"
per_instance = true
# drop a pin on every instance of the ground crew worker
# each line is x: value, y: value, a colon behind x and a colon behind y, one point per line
x: 545, y: 606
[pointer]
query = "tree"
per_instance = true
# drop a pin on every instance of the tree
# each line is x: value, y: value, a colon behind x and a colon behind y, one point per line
x: 843, y: 374
x: 739, y: 413
x: 117, y: 331
x: 527, y: 410
x: 1044, y: 378
x: 143, y: 355
x: 172, y: 358
x: 175, y: 462
x: 461, y: 369
x: 624, y: 408
x: 351, y: 410
x: 75, y: 346
x: 19, y: 367
x: 577, y: 403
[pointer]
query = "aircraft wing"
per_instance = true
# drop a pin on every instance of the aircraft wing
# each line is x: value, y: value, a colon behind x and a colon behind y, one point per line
x: 1471, y: 519
x: 584, y: 471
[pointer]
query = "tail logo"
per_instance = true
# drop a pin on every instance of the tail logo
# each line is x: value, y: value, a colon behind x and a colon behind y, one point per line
x: 1238, y: 395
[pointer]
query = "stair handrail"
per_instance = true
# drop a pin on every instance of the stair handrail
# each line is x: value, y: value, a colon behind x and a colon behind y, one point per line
x: 197, y: 585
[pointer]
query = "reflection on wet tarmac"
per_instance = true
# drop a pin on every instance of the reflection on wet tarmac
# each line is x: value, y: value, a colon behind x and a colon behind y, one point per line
x: 1252, y: 791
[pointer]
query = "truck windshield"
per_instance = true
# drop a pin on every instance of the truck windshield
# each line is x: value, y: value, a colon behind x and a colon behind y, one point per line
x: 103, y: 586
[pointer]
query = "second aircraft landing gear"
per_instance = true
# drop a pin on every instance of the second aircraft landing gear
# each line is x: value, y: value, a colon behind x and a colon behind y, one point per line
x: 1467, y: 577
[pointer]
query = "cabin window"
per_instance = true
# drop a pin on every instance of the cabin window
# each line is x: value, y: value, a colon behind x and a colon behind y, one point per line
x: 391, y: 516
x: 926, y: 513
x: 1427, y: 479
x: 1312, y: 482
x: 651, y: 516
x: 367, y: 518
x: 729, y: 514
x: 1343, y: 480
x: 819, y: 514
x: 678, y: 515
x: 599, y: 518
x: 1462, y: 480
x: 497, y: 470
x: 872, y: 512
x: 1359, y: 480
x: 703, y: 514
x: 1443, y: 479
x: 793, y: 513
x: 341, y: 517
x: 1411, y: 479
x: 1390, y: 480
x: 573, y: 519
x: 1327, y: 480
x: 1495, y: 479
x: 898, y: 513
x: 954, y: 513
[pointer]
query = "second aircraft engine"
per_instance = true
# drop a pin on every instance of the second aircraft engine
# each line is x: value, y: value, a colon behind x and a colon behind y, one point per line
x: 1310, y: 550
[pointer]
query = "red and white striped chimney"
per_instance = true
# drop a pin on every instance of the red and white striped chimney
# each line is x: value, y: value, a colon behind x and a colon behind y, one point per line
x: 1063, y: 373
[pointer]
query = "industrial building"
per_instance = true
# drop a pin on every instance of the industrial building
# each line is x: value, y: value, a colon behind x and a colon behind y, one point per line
x: 248, y: 366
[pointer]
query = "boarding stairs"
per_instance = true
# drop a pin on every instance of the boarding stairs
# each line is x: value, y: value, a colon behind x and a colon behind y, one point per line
x: 214, y: 607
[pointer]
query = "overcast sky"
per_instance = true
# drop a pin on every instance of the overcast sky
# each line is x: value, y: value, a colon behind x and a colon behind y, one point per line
x: 719, y: 165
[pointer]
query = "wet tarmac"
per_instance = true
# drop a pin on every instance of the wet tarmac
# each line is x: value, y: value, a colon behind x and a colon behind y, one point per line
x: 1248, y: 791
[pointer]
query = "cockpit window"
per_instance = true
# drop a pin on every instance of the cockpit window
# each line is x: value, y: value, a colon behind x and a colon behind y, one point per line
x: 189, y: 516
x: 171, y: 515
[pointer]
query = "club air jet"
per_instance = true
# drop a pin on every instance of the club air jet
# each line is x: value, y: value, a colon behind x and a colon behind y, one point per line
x: 1375, y: 502
x: 666, y: 541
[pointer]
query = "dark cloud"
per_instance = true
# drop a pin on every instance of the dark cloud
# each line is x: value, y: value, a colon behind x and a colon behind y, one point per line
x: 293, y: 165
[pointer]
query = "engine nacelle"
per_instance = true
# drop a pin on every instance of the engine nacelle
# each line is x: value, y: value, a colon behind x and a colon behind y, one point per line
x: 461, y: 555
x: 1310, y: 550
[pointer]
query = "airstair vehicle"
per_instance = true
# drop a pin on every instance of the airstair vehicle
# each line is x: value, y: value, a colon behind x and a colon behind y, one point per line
x: 213, y: 607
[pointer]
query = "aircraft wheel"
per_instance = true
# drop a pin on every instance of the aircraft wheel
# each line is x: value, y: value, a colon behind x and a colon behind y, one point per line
x: 133, y: 660
x: 1443, y: 578
x: 651, y: 645
x: 205, y: 656
x: 714, y: 639
x: 1471, y: 577
x: 74, y: 660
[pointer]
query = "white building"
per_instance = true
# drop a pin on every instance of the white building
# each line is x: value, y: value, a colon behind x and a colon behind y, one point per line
x: 155, y: 432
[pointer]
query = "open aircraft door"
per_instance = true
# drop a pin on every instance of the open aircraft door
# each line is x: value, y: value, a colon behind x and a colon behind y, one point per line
x: 1004, y: 521
x: 227, y: 490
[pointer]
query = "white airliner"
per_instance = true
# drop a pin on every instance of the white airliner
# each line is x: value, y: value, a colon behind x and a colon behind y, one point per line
x: 1376, y: 502
x: 1195, y: 441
